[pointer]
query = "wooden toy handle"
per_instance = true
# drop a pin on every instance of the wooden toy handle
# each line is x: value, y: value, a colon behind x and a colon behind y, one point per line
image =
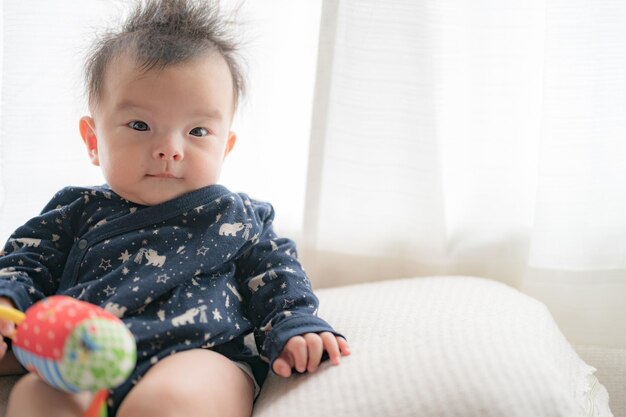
x: 11, y: 314
x: 98, y: 405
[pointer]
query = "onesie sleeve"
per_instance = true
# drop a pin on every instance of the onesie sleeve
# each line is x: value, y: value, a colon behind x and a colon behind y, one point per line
x: 280, y: 301
x: 32, y: 260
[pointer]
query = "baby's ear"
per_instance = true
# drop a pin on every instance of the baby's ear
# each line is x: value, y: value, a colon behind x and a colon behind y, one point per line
x: 232, y: 138
x: 87, y: 128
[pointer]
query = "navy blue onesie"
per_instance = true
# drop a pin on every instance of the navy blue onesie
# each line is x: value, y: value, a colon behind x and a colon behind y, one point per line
x: 200, y: 271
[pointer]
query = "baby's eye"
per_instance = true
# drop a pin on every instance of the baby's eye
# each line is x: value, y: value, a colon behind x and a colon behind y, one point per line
x: 139, y: 125
x: 199, y: 131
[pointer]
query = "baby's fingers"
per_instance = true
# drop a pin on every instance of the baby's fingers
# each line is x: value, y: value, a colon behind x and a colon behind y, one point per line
x: 3, y: 348
x: 294, y: 355
x: 297, y: 347
x: 315, y: 350
x: 282, y: 367
x: 331, y: 346
x: 344, y: 347
x: 7, y: 328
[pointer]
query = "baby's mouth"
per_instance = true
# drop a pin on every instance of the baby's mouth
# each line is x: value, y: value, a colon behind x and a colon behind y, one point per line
x: 164, y: 174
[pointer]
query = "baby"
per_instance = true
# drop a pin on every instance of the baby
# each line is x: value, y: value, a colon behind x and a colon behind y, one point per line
x: 189, y: 266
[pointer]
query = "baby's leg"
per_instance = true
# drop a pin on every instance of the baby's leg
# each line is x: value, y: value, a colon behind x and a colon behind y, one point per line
x: 193, y: 383
x: 33, y: 397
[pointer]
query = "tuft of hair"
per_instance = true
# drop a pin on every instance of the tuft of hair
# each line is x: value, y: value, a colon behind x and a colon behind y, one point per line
x: 160, y: 33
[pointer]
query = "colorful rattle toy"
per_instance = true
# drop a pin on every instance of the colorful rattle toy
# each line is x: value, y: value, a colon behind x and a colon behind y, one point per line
x: 74, y: 346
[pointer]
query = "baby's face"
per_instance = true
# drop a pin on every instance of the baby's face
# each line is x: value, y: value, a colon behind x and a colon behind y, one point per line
x: 160, y: 134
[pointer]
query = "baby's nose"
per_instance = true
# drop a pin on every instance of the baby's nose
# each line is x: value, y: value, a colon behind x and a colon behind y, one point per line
x: 168, y: 150
x: 174, y: 156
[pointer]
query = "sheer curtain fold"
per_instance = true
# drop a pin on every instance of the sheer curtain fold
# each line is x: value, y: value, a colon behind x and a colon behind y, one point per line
x: 372, y: 133
x: 577, y: 261
x: 40, y: 148
x: 480, y: 139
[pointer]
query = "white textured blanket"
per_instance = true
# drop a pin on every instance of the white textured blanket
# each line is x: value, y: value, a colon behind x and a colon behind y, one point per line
x: 441, y: 347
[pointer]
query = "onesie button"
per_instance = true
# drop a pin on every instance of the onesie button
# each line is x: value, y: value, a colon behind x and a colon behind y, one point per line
x: 82, y: 244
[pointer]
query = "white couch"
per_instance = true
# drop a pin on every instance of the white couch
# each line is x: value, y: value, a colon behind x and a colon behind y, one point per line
x: 446, y: 346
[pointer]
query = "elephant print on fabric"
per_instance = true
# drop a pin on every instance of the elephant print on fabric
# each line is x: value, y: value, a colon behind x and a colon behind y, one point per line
x: 230, y: 229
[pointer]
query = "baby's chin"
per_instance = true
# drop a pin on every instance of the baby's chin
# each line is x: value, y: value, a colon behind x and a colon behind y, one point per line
x: 151, y: 197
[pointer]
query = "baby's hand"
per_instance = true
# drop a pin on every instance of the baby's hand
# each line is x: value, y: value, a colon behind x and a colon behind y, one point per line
x: 7, y: 328
x: 305, y: 352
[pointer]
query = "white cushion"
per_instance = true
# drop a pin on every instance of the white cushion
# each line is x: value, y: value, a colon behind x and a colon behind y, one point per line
x: 440, y: 347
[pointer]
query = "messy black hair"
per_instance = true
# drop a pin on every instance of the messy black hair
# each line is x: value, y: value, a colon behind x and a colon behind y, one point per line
x: 160, y: 33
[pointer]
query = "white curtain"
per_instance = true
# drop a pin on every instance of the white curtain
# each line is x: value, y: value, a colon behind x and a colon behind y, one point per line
x: 481, y: 138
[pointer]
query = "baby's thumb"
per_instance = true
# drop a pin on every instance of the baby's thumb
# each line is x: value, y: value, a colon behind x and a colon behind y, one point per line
x: 7, y: 328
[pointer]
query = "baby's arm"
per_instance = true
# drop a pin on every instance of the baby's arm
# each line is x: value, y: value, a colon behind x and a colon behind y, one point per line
x: 281, y: 303
x: 33, y: 259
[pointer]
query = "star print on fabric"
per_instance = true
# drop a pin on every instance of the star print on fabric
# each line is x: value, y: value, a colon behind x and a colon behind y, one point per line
x: 109, y: 291
x: 125, y: 256
x: 105, y: 264
x: 161, y: 314
x: 287, y: 269
x: 163, y: 278
x: 216, y: 315
x: 202, y: 251
x: 288, y: 303
x: 125, y: 271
